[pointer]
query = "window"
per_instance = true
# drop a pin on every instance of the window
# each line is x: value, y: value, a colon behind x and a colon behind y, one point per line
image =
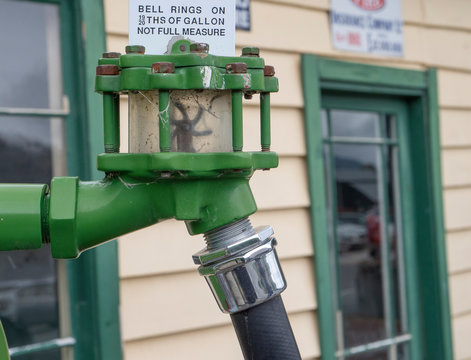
x: 373, y: 155
x: 47, y: 106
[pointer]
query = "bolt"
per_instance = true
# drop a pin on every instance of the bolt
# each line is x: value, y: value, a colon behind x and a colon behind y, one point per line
x: 236, y: 68
x: 107, y: 70
x: 269, y: 71
x: 251, y: 51
x: 248, y: 95
x: 111, y: 55
x: 163, y: 68
x: 199, y: 48
x: 135, y: 49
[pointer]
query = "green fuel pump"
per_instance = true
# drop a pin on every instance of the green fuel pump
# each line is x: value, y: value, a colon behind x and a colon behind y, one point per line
x: 185, y: 161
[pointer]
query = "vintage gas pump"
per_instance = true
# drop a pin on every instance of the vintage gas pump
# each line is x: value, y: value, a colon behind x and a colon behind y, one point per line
x: 186, y: 162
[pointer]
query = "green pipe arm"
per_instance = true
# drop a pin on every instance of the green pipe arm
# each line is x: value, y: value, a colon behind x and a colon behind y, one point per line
x: 75, y: 216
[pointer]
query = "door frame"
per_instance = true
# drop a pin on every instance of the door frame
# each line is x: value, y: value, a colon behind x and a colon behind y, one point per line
x: 419, y: 90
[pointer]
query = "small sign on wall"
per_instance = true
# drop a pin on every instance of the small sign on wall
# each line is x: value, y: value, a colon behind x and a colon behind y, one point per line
x: 154, y: 23
x: 367, y: 26
x: 243, y: 15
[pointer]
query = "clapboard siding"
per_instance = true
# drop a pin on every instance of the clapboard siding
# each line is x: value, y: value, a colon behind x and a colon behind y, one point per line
x: 155, y: 263
x: 452, y: 123
x: 166, y: 247
x: 458, y: 251
x: 456, y: 167
x: 218, y: 342
x: 171, y: 303
x: 457, y: 209
x: 461, y: 330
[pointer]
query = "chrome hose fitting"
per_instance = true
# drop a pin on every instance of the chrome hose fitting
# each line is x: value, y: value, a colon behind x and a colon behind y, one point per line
x: 241, y: 266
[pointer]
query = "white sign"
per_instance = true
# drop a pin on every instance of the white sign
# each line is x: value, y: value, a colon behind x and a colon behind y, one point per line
x: 369, y: 26
x: 154, y: 23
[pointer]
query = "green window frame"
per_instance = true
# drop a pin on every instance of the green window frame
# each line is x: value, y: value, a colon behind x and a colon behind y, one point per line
x: 418, y: 89
x: 93, y: 278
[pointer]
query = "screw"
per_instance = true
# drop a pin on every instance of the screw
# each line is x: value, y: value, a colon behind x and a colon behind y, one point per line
x: 251, y: 51
x: 111, y: 55
x: 135, y: 49
x: 107, y: 70
x: 269, y: 71
x: 163, y: 68
x: 236, y: 68
x: 199, y: 48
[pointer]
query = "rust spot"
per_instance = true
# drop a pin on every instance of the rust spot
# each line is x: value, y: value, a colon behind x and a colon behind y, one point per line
x: 163, y: 68
x: 199, y: 48
x: 236, y: 68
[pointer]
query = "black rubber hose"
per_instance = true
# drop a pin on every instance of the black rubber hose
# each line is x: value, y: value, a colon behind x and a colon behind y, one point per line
x: 264, y: 332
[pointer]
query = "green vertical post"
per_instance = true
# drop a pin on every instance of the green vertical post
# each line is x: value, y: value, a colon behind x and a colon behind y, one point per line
x: 237, y: 122
x: 164, y: 120
x: 111, y: 122
x: 265, y: 121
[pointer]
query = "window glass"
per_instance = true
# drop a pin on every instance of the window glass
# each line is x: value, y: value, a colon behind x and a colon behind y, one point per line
x: 360, y: 278
x: 354, y: 124
x: 30, y: 71
x: 31, y: 150
x: 365, y: 231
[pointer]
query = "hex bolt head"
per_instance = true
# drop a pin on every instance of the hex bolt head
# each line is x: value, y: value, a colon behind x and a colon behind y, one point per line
x: 251, y: 51
x: 111, y: 55
x: 269, y: 71
x: 201, y: 48
x: 135, y: 49
x: 163, y: 68
x: 102, y: 70
x: 236, y: 68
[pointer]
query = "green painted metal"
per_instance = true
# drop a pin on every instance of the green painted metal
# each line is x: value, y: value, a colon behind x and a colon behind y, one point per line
x: 164, y: 120
x: 111, y: 122
x: 85, y: 214
x: 187, y: 164
x: 4, y: 354
x: 432, y: 318
x: 22, y: 207
x: 265, y: 121
x: 237, y: 121
x: 195, y: 77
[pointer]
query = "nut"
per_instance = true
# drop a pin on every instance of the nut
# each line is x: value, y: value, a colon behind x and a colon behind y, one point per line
x: 102, y: 70
x: 206, y: 256
x: 251, y: 51
x: 199, y: 48
x: 111, y: 55
x: 163, y: 68
x: 135, y: 49
x: 236, y: 68
x: 269, y: 71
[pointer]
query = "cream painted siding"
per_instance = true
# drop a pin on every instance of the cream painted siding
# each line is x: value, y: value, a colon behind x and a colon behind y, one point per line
x: 168, y: 311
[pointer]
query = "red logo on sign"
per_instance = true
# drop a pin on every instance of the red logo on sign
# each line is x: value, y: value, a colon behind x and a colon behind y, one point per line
x: 370, y: 5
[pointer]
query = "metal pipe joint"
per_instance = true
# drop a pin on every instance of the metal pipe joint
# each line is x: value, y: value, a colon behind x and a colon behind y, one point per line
x: 241, y: 266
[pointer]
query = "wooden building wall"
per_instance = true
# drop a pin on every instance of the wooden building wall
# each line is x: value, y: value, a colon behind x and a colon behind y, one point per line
x: 167, y: 309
